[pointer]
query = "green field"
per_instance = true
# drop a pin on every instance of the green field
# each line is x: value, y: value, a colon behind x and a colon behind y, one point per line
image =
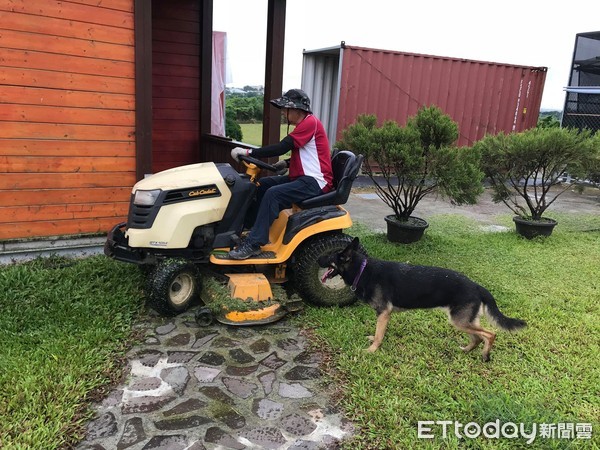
x: 252, y: 133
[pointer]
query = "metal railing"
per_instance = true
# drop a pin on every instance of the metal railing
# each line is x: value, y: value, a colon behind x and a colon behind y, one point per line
x: 582, y: 111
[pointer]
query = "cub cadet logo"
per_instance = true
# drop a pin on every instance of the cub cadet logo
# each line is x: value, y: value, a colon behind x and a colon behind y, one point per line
x: 203, y: 192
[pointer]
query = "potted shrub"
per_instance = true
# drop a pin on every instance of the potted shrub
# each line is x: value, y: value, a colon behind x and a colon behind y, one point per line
x: 407, y: 163
x: 523, y: 168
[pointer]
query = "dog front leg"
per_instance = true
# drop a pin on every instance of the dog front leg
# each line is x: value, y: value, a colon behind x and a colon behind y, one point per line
x: 382, y: 321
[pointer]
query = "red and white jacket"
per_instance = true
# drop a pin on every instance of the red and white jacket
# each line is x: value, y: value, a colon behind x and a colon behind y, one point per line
x: 311, y: 155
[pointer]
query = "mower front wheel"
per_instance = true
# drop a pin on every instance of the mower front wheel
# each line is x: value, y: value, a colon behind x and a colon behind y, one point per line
x: 173, y: 286
x: 307, y: 273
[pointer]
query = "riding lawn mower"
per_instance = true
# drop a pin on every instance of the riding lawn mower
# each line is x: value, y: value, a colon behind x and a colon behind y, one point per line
x: 183, y: 221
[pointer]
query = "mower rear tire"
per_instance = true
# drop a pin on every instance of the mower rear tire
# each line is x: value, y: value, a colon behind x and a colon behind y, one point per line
x: 307, y: 274
x: 173, y: 286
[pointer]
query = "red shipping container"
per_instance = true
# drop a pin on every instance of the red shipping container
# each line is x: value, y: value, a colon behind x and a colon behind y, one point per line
x: 482, y: 97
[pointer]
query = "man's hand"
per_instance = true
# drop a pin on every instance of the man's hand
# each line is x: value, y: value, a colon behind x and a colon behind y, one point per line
x: 237, y: 151
x: 281, y: 167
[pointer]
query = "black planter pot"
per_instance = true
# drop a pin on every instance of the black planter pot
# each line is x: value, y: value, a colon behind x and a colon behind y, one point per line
x: 407, y: 231
x: 533, y: 228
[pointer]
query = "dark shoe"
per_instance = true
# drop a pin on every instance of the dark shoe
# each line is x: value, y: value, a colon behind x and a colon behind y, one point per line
x: 245, y: 250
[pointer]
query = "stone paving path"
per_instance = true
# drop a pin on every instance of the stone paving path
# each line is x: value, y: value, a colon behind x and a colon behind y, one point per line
x: 219, y: 387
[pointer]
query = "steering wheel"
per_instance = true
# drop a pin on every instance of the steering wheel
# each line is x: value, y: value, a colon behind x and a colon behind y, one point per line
x: 257, y: 162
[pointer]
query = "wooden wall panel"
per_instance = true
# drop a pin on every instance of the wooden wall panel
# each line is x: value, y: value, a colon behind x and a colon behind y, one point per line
x: 67, y: 116
x: 61, y: 63
x: 49, y: 212
x: 23, y: 197
x: 20, y: 40
x: 74, y: 11
x: 60, y: 164
x: 61, y: 180
x: 81, y: 116
x: 120, y: 5
x: 72, y: 148
x: 44, y: 25
x: 65, y: 227
x: 17, y: 130
x: 175, y: 83
x: 65, y: 80
x: 22, y: 95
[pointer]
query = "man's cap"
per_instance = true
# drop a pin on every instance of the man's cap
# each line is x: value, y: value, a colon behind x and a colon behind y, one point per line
x: 294, y: 98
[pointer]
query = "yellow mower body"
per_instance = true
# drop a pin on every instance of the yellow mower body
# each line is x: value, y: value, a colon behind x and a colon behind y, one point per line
x: 277, y: 251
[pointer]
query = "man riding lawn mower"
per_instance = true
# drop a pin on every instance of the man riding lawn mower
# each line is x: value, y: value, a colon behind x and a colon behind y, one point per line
x: 186, y: 224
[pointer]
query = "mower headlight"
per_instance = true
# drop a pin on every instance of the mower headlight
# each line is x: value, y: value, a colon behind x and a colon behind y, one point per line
x: 146, y: 198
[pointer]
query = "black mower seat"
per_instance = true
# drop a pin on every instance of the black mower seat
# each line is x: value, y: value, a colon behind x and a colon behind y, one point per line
x: 345, y: 166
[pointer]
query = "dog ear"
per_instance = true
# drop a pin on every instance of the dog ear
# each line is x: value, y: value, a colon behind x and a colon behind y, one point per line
x: 346, y: 254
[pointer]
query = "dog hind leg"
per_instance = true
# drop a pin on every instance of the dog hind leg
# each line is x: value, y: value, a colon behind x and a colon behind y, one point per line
x: 487, y: 347
x: 486, y: 336
x: 382, y: 321
x: 475, y: 338
x: 470, y: 325
x: 473, y: 343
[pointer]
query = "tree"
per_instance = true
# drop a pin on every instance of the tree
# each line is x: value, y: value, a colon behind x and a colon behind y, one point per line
x: 232, y: 128
x: 415, y: 160
x: 522, y: 167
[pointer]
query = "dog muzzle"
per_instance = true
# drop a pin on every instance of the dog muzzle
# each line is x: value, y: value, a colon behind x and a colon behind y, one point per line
x: 330, y: 273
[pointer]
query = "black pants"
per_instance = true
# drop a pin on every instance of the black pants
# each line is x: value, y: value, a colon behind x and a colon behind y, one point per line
x: 275, y: 194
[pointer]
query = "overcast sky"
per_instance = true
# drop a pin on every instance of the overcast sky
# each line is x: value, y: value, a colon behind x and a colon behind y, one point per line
x: 522, y: 32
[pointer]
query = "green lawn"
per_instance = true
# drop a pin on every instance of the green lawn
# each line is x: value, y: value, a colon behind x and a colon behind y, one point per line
x: 547, y: 373
x: 63, y: 329
x: 252, y: 133
x: 65, y: 325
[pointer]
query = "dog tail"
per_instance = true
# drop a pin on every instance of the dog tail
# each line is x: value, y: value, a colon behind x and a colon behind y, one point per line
x: 494, y: 314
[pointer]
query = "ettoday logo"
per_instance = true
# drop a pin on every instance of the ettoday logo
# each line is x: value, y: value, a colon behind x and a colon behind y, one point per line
x: 429, y: 429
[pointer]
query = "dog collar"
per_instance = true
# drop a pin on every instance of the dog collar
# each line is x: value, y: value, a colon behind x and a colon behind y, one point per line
x: 360, y: 271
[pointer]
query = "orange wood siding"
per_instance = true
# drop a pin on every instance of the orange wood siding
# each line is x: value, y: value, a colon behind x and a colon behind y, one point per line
x: 67, y: 116
x: 175, y: 83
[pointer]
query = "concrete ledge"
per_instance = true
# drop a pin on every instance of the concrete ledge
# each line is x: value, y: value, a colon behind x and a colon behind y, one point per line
x: 26, y: 250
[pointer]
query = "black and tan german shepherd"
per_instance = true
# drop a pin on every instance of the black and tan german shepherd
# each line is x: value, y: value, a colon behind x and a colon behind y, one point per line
x: 391, y: 286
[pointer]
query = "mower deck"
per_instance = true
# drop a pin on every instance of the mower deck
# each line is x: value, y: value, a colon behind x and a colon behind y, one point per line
x: 263, y: 316
x: 252, y: 287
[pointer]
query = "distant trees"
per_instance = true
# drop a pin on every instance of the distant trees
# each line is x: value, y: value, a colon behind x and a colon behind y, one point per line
x: 549, y: 119
x: 246, y: 104
x: 242, y: 106
x: 245, y: 109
